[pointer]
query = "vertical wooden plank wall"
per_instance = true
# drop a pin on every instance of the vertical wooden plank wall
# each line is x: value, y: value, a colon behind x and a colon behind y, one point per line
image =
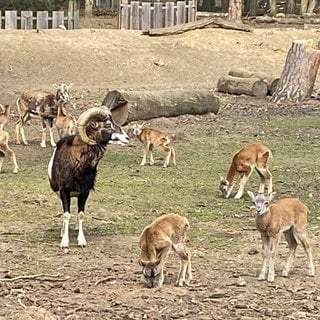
x: 57, y: 19
x: 146, y: 15
x: 27, y: 21
x: 158, y: 15
x: 42, y: 19
x: 11, y: 19
x: 169, y: 20
x: 181, y: 12
x: 134, y: 16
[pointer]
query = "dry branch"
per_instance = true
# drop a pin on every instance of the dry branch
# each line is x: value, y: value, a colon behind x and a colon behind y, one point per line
x: 199, y: 24
x: 46, y: 277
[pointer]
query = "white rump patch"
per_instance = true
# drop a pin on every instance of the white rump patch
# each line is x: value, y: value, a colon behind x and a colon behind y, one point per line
x: 51, y: 163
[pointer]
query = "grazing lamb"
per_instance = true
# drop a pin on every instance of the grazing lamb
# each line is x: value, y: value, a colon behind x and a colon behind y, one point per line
x: 287, y: 216
x: 38, y: 103
x: 150, y: 138
x: 156, y: 240
x: 66, y: 123
x: 5, y: 149
x: 73, y: 165
x: 4, y: 115
x: 253, y: 156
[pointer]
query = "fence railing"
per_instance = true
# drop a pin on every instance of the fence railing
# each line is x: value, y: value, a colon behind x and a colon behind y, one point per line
x: 12, y: 19
x: 146, y: 15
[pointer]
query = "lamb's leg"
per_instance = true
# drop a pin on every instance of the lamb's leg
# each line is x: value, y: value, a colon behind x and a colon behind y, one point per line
x: 1, y: 159
x: 166, y: 149
x: 302, y: 236
x: 265, y: 256
x: 292, y: 243
x: 145, y: 153
x: 185, y: 266
x: 243, y: 181
x: 43, y: 138
x: 52, y: 142
x: 272, y: 250
x: 11, y: 153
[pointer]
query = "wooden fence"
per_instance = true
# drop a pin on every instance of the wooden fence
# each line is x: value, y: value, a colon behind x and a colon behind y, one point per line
x: 146, y: 15
x: 39, y: 20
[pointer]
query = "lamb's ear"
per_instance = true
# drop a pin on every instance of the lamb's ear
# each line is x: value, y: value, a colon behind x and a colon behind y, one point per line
x: 251, y: 195
x: 157, y: 262
x: 142, y: 263
x: 272, y: 195
x: 55, y: 86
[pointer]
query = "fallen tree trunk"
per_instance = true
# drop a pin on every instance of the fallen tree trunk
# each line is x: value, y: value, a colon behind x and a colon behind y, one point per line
x: 202, y: 23
x: 127, y: 106
x: 249, y: 86
x: 271, y: 81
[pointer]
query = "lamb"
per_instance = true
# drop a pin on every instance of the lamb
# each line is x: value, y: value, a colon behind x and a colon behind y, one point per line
x: 66, y: 123
x: 38, y: 103
x: 150, y: 138
x: 156, y: 240
x: 253, y: 156
x: 5, y: 149
x: 73, y: 166
x: 4, y: 115
x: 287, y: 216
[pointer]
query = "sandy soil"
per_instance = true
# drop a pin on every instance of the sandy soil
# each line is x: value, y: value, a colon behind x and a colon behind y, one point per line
x: 96, y: 60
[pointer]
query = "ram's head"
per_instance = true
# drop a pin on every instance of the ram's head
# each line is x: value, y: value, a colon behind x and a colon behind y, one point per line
x: 96, y: 126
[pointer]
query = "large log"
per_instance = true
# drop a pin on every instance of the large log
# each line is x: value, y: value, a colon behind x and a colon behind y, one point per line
x: 249, y: 86
x: 127, y: 106
x: 299, y: 73
x: 272, y: 82
x: 202, y: 23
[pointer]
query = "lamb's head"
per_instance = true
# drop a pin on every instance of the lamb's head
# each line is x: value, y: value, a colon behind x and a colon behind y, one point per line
x: 261, y: 202
x: 96, y: 126
x: 137, y: 128
x: 150, y: 273
x: 224, y: 187
x: 62, y: 91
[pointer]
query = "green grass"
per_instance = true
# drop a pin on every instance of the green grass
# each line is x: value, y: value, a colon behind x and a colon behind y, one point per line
x: 131, y: 196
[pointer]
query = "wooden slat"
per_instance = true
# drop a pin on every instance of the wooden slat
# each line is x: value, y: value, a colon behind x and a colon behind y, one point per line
x: 145, y: 16
x: 11, y: 19
x: 42, y: 19
x: 76, y: 19
x: 57, y: 19
x: 158, y: 15
x: 181, y: 12
x: 191, y: 11
x: 169, y: 16
x: 134, y: 15
x: 26, y: 20
x: 124, y: 15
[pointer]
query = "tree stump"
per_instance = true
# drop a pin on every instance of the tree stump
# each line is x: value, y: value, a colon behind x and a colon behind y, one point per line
x: 250, y: 86
x: 299, y: 73
x: 127, y: 106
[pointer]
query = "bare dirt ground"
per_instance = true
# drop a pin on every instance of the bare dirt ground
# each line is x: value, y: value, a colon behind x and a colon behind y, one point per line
x: 101, y: 283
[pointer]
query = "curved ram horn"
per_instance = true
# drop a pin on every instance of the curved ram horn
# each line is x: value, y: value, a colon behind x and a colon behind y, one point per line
x: 84, y: 119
